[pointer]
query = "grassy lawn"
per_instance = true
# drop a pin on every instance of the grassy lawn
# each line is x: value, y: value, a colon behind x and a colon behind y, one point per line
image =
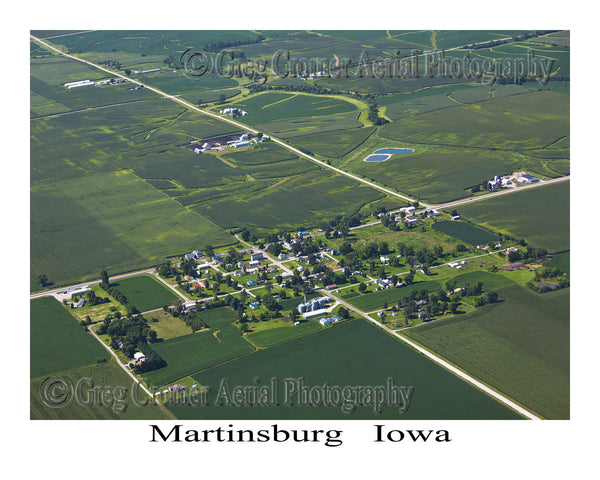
x: 167, y: 325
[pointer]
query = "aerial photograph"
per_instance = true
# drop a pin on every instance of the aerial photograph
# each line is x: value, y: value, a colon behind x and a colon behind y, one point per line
x: 299, y: 225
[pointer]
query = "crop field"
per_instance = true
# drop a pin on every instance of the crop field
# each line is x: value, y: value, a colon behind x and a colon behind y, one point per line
x: 371, y: 301
x: 528, y: 121
x: 519, y: 346
x: 466, y: 232
x: 50, y: 96
x: 272, y: 336
x: 122, y: 136
x: 57, y: 341
x: 333, y: 143
x: 291, y: 114
x: 113, y: 221
x: 323, y: 196
x: 539, y: 215
x: 375, y: 358
x: 102, y: 374
x: 145, y: 292
x: 433, y: 173
x: 115, y: 184
x: 489, y: 281
x: 189, y: 354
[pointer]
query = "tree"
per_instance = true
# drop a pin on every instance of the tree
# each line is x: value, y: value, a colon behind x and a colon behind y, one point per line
x: 343, y: 312
x: 43, y: 280
x: 128, y: 71
x: 104, y: 278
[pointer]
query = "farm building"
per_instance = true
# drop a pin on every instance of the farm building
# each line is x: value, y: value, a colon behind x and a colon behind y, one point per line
x: 139, y: 357
x: 81, y: 83
x: 252, y: 283
x: 256, y: 256
x: 526, y: 178
x: 314, y: 313
x: 80, y: 303
x: 254, y: 305
x: 455, y: 217
x: 330, y: 320
x: 80, y: 291
x: 314, y: 304
x: 240, y: 144
x: 407, y: 209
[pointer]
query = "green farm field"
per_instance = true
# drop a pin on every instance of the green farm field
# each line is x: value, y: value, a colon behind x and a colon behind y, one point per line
x: 113, y: 221
x: 519, y: 346
x: 539, y: 215
x: 272, y: 336
x: 376, y: 357
x: 188, y: 354
x: 57, y: 341
x: 145, y: 292
x: 466, y: 232
x: 528, y: 121
x: 107, y: 374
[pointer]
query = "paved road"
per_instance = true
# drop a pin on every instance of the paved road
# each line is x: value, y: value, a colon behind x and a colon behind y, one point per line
x: 56, y: 291
x: 226, y: 119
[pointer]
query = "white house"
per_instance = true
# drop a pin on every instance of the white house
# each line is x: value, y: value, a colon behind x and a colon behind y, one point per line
x: 139, y: 357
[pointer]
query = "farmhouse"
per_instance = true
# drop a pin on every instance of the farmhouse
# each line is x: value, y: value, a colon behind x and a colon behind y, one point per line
x: 139, y: 357
x: 252, y: 283
x: 254, y: 305
x: 256, y: 256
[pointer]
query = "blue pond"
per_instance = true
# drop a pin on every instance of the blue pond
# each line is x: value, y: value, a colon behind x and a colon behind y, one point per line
x: 384, y: 154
